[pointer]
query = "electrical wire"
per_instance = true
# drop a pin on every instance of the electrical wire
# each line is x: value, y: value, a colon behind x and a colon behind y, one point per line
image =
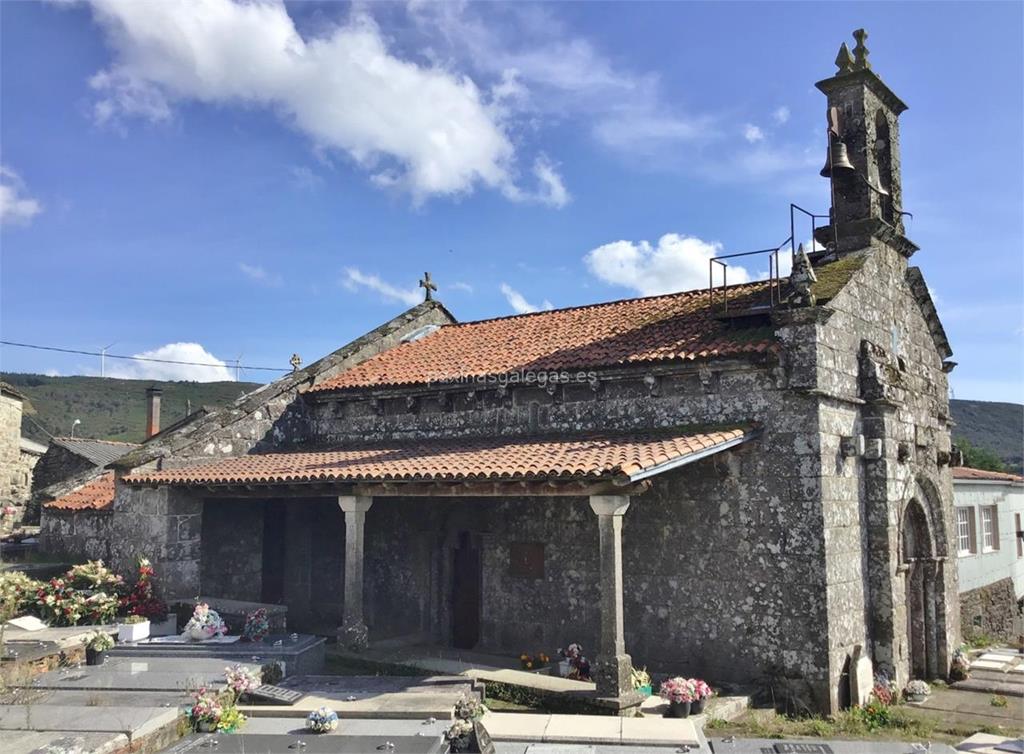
x: 226, y: 365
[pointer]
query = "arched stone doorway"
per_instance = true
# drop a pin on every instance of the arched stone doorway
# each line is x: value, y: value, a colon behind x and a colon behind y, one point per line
x: 920, y: 569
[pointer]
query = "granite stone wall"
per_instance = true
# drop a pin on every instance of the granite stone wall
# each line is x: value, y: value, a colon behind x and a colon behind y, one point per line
x: 57, y: 464
x: 76, y: 536
x: 880, y: 376
x: 991, y: 611
x: 232, y: 551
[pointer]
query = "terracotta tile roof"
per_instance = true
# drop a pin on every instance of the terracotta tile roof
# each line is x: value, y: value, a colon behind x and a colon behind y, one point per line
x: 963, y: 472
x: 96, y: 495
x: 678, y: 326
x: 479, y: 459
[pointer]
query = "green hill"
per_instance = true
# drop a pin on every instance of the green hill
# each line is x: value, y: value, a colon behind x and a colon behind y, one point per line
x: 110, y: 409
x: 999, y: 427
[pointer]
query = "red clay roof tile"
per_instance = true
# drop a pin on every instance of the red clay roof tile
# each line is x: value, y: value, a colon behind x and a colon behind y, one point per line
x: 477, y: 459
x: 678, y: 326
x: 963, y: 472
x: 96, y: 495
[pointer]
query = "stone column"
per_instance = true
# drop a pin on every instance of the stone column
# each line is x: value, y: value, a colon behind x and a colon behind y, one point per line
x: 352, y: 633
x: 612, y: 666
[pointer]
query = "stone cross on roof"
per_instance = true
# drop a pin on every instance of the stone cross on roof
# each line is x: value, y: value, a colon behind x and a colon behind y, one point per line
x: 860, y: 52
x: 428, y: 287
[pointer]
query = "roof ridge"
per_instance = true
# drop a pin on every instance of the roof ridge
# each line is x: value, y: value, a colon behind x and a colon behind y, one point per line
x: 93, y: 439
x: 600, y: 304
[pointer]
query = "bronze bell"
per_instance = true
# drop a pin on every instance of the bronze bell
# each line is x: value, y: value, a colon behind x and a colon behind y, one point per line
x: 837, y: 160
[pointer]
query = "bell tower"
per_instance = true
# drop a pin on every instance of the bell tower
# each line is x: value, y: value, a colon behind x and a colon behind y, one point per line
x: 863, y: 158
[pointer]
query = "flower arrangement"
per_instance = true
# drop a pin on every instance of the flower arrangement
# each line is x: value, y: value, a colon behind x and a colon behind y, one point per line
x: 530, y: 662
x: 94, y: 576
x: 240, y: 680
x: 701, y: 689
x: 322, y: 720
x: 884, y: 691
x: 678, y: 690
x: 641, y: 679
x: 917, y: 690
x: 206, y: 710
x: 578, y: 664
x: 61, y: 604
x: 142, y: 600
x: 272, y: 672
x: 960, y: 668
x: 204, y: 624
x: 17, y: 591
x: 460, y: 732
x: 99, y: 641
x: 256, y: 626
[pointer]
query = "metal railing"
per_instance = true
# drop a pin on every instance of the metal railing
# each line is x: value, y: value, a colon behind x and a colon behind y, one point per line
x: 774, y: 273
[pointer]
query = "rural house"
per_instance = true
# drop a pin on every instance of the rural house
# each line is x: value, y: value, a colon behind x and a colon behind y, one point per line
x: 745, y: 482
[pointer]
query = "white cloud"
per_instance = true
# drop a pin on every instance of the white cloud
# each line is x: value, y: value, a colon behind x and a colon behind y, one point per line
x: 203, y: 366
x: 519, y: 303
x: 354, y: 280
x: 550, y: 189
x: 752, y: 133
x: 420, y: 127
x: 677, y: 263
x: 15, y: 207
x: 460, y: 286
x: 304, y: 178
x: 258, y: 274
x: 781, y: 115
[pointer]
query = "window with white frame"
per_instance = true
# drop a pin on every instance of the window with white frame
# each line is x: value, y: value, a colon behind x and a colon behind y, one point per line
x: 989, y: 528
x: 965, y: 530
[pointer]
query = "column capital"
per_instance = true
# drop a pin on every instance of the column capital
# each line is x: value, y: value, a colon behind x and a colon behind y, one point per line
x: 354, y: 503
x: 609, y: 505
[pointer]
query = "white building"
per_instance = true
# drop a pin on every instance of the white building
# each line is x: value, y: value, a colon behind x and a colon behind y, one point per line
x: 990, y: 550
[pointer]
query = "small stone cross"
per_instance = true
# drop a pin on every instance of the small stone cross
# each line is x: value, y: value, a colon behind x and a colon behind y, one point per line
x: 860, y: 52
x: 428, y: 287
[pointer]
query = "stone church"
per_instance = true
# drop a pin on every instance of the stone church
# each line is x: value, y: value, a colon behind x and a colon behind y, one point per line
x: 749, y: 483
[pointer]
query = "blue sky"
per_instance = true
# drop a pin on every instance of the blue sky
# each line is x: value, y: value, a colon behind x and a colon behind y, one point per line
x: 269, y: 179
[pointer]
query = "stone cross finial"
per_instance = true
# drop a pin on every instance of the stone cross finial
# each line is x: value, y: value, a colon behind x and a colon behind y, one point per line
x: 861, y: 52
x: 844, y: 60
x: 428, y: 287
x: 802, y: 278
x: 295, y: 361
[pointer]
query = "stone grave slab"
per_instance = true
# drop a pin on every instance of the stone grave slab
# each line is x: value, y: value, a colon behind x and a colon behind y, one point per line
x: 561, y: 749
x: 301, y: 655
x: 133, y: 721
x: 996, y: 657
x: 659, y: 731
x: 583, y: 729
x: 244, y: 743
x: 988, y: 664
x: 291, y: 726
x: 511, y: 726
x: 115, y: 698
x: 769, y: 746
x: 37, y: 742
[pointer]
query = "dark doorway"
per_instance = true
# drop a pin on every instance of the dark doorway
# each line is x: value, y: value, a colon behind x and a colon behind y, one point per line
x: 465, y: 592
x: 274, y: 520
x: 919, y: 587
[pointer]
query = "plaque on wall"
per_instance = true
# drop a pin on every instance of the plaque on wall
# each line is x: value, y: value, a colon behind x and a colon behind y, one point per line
x: 526, y: 560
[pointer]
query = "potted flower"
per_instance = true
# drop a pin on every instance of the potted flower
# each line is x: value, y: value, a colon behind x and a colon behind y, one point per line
x: 322, y: 720
x: 205, y: 624
x: 143, y: 601
x: 241, y: 681
x: 96, y: 647
x: 917, y: 691
x: 461, y: 735
x: 701, y: 693
x: 133, y: 628
x: 641, y: 681
x: 960, y: 668
x: 679, y: 694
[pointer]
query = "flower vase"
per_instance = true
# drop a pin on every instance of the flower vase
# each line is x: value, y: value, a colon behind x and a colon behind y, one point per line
x: 94, y: 657
x: 916, y: 697
x: 564, y: 668
x: 466, y: 743
x: 197, y: 634
x: 678, y: 709
x: 697, y: 706
x: 207, y: 726
x: 645, y: 690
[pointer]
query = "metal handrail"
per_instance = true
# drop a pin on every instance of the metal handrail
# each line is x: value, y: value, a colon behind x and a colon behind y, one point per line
x: 774, y: 280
